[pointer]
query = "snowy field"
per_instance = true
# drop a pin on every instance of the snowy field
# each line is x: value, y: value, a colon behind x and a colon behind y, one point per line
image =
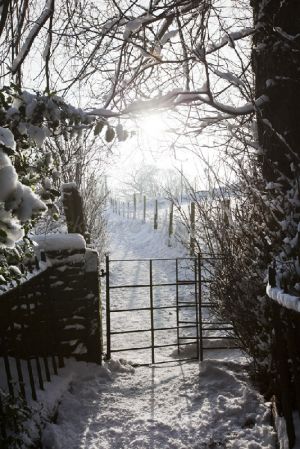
x: 172, y: 406
x: 126, y: 210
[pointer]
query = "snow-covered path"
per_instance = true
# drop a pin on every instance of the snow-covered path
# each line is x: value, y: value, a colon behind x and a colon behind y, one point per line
x: 173, y: 406
x: 133, y: 240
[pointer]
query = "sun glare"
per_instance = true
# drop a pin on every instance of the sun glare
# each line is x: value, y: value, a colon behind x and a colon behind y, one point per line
x: 152, y: 126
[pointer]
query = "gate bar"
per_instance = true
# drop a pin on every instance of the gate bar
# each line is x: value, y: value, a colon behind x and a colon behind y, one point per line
x: 155, y: 346
x: 205, y: 256
x: 200, y: 307
x: 149, y: 330
x: 154, y: 308
x: 177, y: 308
x: 108, y: 331
x: 154, y: 285
x: 151, y: 313
x: 197, y: 288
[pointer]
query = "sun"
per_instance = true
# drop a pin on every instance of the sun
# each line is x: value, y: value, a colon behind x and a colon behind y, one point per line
x: 153, y: 126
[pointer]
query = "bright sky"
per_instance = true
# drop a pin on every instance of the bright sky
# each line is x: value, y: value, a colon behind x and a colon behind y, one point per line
x: 153, y: 146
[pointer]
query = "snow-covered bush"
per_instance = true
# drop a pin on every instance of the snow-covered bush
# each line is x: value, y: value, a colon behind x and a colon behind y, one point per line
x: 260, y: 229
x: 82, y: 163
x: 241, y: 234
x: 28, y: 172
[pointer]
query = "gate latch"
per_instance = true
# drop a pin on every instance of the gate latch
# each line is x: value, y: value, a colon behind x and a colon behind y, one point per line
x: 103, y: 273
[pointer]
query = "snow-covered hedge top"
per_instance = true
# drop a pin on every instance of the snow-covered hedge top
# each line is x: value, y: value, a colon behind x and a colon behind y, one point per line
x: 68, y: 186
x: 60, y: 242
x: 289, y: 301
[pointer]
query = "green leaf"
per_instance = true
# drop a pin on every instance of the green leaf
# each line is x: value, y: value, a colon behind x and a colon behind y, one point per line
x: 98, y: 128
x: 3, y: 234
x: 110, y: 134
x: 55, y: 192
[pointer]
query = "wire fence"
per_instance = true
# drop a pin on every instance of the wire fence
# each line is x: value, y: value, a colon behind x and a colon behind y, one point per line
x: 162, y: 215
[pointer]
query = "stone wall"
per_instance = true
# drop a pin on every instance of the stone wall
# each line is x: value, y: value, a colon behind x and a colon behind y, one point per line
x: 57, y: 311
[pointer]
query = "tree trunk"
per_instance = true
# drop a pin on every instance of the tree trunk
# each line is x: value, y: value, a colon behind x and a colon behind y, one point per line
x: 276, y: 64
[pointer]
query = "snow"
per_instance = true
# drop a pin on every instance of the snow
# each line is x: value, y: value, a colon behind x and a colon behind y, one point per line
x: 102, y: 112
x: 245, y: 109
x: 286, y: 300
x: 8, y: 181
x: 170, y: 406
x: 228, y: 38
x: 7, y: 138
x: 68, y: 186
x: 15, y: 270
x: 25, y: 203
x: 11, y: 227
x: 21, y: 203
x: 168, y: 36
x: 60, y: 242
x: 31, y: 35
x: 38, y: 134
x: 229, y: 77
x: 175, y: 407
x: 134, y: 25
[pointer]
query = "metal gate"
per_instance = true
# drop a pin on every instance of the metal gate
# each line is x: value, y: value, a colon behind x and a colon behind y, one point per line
x: 186, y: 327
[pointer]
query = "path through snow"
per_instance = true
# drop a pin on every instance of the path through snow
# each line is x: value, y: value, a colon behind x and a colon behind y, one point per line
x: 174, y: 406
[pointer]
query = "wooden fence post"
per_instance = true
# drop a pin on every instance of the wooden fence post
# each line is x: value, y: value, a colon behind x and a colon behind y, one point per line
x: 192, y: 229
x: 227, y: 218
x: 134, y: 206
x: 73, y: 209
x: 144, y: 213
x: 171, y: 222
x: 156, y: 215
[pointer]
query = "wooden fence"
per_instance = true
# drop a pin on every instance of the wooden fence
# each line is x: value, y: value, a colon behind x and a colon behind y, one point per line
x: 152, y: 212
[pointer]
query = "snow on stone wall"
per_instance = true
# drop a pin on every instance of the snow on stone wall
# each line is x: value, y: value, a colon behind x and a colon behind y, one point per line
x: 61, y: 306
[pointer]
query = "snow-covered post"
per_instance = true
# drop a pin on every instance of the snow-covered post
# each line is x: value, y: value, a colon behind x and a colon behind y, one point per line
x: 144, y: 211
x: 227, y: 217
x: 134, y: 206
x: 171, y: 222
x: 192, y: 229
x: 156, y: 215
x: 73, y: 209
